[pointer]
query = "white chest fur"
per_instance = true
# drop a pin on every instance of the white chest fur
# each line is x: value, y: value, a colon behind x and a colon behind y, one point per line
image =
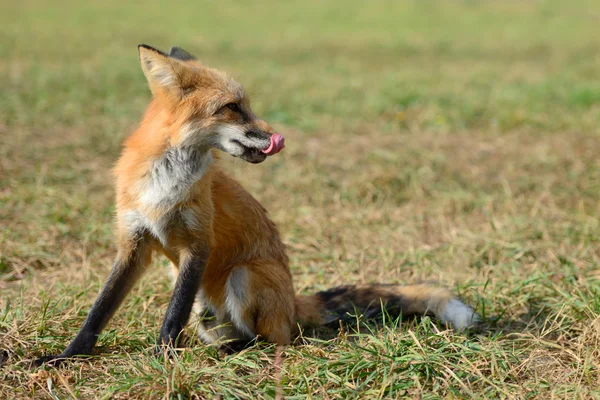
x: 168, y: 184
x: 172, y: 176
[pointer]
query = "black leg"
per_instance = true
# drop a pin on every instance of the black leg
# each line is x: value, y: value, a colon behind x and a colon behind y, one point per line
x: 188, y: 282
x: 125, y: 272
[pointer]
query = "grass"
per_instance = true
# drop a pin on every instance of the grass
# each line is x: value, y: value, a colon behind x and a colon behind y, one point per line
x: 454, y: 141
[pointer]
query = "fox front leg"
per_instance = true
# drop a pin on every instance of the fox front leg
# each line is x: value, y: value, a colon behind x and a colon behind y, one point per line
x: 128, y: 267
x: 191, y: 269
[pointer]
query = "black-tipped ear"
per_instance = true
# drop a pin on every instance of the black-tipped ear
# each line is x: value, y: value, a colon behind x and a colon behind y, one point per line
x: 145, y: 46
x: 180, y: 54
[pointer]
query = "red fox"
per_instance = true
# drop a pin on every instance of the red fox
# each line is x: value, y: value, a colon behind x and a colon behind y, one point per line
x: 172, y: 198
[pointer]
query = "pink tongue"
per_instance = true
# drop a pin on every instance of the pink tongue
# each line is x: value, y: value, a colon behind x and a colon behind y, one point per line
x: 276, y: 145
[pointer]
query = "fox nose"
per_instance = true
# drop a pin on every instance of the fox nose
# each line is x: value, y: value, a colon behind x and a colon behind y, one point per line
x: 277, y: 144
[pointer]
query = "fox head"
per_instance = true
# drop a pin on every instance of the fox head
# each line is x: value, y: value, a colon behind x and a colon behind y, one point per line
x: 207, y: 108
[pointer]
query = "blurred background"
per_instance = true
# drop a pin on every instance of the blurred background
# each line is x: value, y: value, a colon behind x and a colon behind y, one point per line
x: 454, y: 141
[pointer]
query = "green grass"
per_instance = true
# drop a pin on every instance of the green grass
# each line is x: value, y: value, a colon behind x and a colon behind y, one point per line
x: 454, y: 141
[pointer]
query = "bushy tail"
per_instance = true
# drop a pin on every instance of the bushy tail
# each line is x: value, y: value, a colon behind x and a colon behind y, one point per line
x: 420, y: 299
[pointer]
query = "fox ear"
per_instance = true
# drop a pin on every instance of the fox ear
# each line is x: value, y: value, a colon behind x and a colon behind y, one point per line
x: 161, y: 71
x: 180, y: 54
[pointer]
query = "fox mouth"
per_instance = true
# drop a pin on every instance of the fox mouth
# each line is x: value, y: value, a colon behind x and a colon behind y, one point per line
x: 256, y: 155
x: 250, y: 154
x: 253, y: 146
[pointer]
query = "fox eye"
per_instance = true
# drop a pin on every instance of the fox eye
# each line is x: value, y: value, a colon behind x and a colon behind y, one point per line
x: 233, y: 107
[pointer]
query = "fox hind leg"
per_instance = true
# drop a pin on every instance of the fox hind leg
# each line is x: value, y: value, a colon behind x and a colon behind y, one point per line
x: 256, y: 304
x: 272, y: 305
x: 215, y: 327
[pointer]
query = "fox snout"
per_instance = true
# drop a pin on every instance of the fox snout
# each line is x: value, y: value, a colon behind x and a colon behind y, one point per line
x: 276, y: 141
x: 253, y: 145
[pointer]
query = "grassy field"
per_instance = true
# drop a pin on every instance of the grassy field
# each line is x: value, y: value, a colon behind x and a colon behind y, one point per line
x: 451, y: 141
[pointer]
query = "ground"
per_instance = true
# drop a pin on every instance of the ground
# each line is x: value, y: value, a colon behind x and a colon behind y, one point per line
x: 449, y: 141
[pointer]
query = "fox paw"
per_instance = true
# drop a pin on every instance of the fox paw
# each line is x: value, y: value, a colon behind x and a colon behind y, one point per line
x: 51, y: 361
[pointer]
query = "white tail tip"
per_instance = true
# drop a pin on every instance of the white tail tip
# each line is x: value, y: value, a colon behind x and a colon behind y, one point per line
x: 459, y: 315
